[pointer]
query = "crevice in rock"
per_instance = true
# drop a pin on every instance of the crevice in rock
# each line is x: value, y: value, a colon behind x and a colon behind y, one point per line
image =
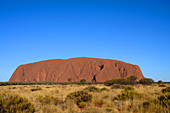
x: 101, y: 67
x: 119, y: 69
x: 94, y: 78
x: 116, y: 65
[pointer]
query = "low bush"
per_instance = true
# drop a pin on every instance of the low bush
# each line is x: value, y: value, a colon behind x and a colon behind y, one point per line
x: 14, y: 103
x: 49, y: 100
x: 79, y: 96
x: 116, y: 81
x: 12, y: 88
x: 146, y: 81
x: 36, y: 89
x: 129, y: 88
x: 162, y: 85
x: 65, y: 83
x: 104, y: 89
x: 128, y: 95
x: 82, y: 104
x: 146, y: 105
x: 163, y: 100
x: 132, y: 79
x: 166, y: 90
x: 4, y: 83
x: 92, y: 89
x: 82, y: 81
x: 109, y: 82
x: 160, y: 81
x: 159, y: 105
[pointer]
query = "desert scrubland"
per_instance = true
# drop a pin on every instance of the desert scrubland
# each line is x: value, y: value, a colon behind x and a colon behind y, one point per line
x: 94, y: 98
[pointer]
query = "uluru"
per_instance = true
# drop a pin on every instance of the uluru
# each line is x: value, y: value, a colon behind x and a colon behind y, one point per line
x: 60, y: 70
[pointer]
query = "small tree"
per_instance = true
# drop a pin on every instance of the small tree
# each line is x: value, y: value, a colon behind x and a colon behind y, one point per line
x: 132, y: 79
x: 160, y: 81
x: 69, y: 79
x: 82, y: 81
x: 146, y: 81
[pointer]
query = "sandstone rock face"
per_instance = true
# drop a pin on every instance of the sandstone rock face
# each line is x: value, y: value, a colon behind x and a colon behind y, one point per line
x: 60, y: 70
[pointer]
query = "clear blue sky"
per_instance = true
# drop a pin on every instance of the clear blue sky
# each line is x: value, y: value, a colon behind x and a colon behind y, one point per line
x: 136, y: 32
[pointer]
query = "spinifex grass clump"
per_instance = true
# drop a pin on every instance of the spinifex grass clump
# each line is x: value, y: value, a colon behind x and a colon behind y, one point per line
x: 129, y: 88
x: 104, y: 89
x: 92, y: 89
x: 128, y: 95
x: 49, y: 100
x: 162, y: 85
x: 14, y: 104
x: 166, y: 90
x: 164, y: 100
x: 81, y: 98
x: 36, y: 89
x: 159, y: 105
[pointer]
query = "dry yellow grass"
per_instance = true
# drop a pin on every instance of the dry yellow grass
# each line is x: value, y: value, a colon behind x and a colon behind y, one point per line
x: 105, y: 98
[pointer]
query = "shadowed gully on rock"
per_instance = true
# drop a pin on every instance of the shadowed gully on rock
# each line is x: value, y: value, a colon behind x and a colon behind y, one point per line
x: 59, y: 70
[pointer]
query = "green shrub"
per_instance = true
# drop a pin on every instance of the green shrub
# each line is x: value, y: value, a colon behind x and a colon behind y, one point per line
x: 65, y: 83
x: 79, y: 96
x: 160, y: 81
x: 82, y: 104
x: 146, y: 105
x: 82, y: 81
x: 159, y: 105
x: 116, y: 81
x: 121, y: 81
x: 167, y: 89
x: 69, y: 79
x: 155, y: 106
x: 162, y: 85
x: 129, y: 87
x: 4, y: 83
x: 109, y: 82
x: 128, y: 95
x: 36, y: 89
x: 132, y: 79
x: 104, y: 89
x: 14, y: 103
x: 147, y: 81
x: 164, y: 100
x: 49, y: 100
x: 92, y: 89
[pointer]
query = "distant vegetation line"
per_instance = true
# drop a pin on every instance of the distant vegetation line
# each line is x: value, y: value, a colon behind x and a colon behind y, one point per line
x: 132, y: 80
x: 60, y: 83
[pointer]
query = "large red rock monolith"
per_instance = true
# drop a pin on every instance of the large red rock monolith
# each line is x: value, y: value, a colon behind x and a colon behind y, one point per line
x: 75, y: 68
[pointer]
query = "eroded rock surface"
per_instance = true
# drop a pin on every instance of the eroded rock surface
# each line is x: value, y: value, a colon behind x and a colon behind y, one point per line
x: 76, y: 68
